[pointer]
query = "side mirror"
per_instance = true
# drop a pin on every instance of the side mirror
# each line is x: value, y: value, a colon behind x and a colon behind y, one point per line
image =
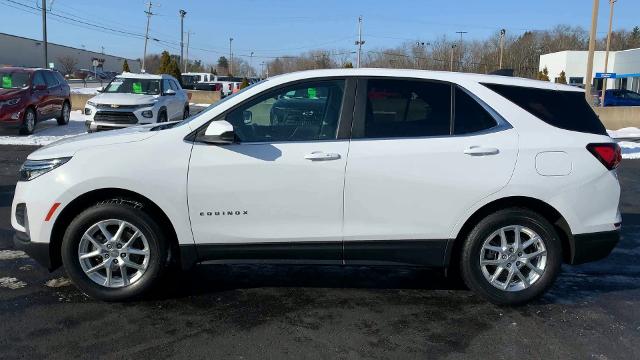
x: 169, y: 92
x: 247, y: 116
x: 40, y: 87
x: 218, y: 132
x: 100, y: 89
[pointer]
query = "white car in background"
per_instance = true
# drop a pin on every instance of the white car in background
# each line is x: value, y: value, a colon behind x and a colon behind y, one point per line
x: 133, y: 99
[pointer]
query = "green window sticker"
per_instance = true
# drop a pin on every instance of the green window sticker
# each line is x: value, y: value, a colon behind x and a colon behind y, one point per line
x: 6, y: 82
x: 136, y: 87
x: 311, y: 93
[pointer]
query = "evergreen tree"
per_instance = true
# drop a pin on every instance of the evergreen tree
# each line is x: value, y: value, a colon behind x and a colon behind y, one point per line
x: 165, y: 62
x: 562, y: 79
x: 348, y: 65
x: 244, y: 83
x: 543, y: 75
x: 125, y: 66
x: 174, y: 70
x: 223, y: 64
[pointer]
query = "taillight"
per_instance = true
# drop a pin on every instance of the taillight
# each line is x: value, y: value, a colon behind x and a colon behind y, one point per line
x: 609, y: 154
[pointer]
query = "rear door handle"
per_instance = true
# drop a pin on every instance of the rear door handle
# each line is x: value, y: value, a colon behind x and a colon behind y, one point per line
x: 481, y: 151
x: 322, y: 156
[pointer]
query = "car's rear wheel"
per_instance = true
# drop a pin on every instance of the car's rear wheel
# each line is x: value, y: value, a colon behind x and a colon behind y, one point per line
x: 28, y: 122
x: 65, y: 115
x: 114, y: 251
x: 512, y: 256
x: 185, y: 114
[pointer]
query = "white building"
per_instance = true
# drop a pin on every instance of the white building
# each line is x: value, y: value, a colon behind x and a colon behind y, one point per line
x: 625, y: 63
x: 24, y: 52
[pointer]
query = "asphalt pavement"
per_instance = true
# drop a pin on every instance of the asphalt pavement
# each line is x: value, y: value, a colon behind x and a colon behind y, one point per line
x: 326, y: 312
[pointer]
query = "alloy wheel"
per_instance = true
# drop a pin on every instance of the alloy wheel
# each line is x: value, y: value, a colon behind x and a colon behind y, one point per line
x: 513, y: 258
x: 114, y: 253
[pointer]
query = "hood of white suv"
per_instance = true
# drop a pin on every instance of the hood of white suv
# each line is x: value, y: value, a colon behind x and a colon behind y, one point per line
x: 69, y: 146
x: 123, y: 99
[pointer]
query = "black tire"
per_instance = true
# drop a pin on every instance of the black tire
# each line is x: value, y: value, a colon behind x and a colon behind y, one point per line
x: 472, y: 272
x: 132, y: 213
x: 185, y: 114
x: 162, y: 116
x: 65, y: 114
x: 29, y: 120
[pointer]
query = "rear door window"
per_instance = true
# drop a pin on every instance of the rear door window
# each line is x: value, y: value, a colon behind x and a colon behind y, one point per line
x: 38, y: 79
x: 406, y: 108
x: 50, y: 79
x: 470, y: 116
x: 567, y: 110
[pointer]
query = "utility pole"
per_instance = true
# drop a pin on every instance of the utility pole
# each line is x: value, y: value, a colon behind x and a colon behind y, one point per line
x: 360, y: 42
x: 44, y: 34
x: 503, y: 32
x: 102, y: 49
x: 461, y: 48
x: 230, y: 57
x: 146, y: 35
x: 262, y: 69
x: 182, y: 13
x: 592, y: 48
x: 606, y: 54
x: 419, y: 45
x: 186, y: 57
x: 453, y: 46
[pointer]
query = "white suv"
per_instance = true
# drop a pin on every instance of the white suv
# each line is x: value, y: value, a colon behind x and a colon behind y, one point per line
x: 131, y: 99
x: 500, y: 178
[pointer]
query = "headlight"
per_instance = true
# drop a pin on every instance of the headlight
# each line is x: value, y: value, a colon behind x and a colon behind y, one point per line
x: 12, y: 102
x: 91, y: 103
x: 31, y: 169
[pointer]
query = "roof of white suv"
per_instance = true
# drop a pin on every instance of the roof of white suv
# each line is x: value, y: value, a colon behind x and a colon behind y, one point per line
x: 428, y: 74
x: 144, y: 76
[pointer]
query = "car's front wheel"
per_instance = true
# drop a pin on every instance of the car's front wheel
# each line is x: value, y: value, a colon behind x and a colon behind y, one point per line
x: 185, y: 114
x: 114, y: 250
x: 28, y: 122
x: 162, y: 116
x: 511, y: 256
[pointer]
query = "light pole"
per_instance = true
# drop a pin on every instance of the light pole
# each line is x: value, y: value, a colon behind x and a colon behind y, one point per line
x: 182, y: 13
x: 250, y: 65
x: 419, y: 45
x: 461, y: 47
x: 453, y: 46
x: 230, y: 57
x: 503, y: 32
x: 592, y: 48
x: 606, y: 54
x: 360, y: 42
x: 44, y: 34
x: 186, y: 56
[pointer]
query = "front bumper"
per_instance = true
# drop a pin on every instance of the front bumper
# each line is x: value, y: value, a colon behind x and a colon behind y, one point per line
x: 594, y: 246
x: 11, y: 118
x: 37, y: 251
x: 92, y: 124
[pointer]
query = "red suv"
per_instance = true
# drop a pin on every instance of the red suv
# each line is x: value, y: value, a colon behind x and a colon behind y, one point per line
x: 28, y: 96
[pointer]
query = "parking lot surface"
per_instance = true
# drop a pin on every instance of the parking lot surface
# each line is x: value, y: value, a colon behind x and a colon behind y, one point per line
x: 329, y: 312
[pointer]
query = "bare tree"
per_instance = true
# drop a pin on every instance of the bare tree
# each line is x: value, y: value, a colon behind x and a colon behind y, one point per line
x: 68, y: 64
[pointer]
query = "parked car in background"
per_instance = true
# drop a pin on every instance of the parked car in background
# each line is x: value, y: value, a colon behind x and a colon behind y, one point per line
x: 132, y: 99
x: 28, y: 96
x: 189, y: 81
x: 621, y: 97
x: 501, y: 178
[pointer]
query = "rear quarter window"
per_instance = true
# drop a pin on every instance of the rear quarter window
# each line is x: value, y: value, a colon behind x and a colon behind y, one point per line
x: 567, y: 110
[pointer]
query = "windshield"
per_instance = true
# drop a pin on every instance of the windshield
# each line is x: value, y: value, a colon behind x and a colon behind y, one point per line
x: 187, y: 120
x: 134, y: 86
x: 14, y: 79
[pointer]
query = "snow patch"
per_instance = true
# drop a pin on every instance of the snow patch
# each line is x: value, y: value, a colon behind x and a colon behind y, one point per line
x: 85, y: 91
x: 12, y: 254
x: 12, y: 283
x: 49, y: 131
x: 200, y: 105
x: 625, y: 133
x: 59, y: 282
x: 630, y: 150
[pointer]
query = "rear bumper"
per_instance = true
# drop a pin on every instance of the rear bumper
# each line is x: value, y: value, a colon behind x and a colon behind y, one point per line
x: 37, y: 251
x: 592, y: 247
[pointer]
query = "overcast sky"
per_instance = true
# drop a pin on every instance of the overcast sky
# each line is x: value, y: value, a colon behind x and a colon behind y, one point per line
x: 277, y: 27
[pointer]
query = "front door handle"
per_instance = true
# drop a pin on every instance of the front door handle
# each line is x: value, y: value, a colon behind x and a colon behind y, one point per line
x: 481, y: 151
x: 322, y: 156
